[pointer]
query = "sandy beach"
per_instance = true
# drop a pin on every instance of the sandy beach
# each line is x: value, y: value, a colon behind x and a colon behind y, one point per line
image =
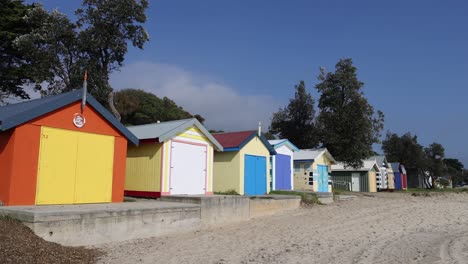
x: 379, y: 228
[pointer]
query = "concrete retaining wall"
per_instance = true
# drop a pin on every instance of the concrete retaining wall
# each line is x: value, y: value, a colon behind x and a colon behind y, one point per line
x: 270, y: 205
x: 217, y: 209
x: 221, y: 209
x: 91, y: 224
x: 81, y: 225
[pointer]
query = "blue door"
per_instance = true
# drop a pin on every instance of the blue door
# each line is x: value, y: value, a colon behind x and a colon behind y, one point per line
x: 255, y: 175
x: 397, y: 180
x: 322, y: 178
x: 282, y: 172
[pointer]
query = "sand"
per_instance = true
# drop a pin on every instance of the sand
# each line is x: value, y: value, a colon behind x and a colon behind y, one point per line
x: 383, y: 228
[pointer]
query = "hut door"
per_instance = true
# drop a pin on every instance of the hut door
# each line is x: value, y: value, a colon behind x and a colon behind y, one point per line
x: 255, y: 181
x: 355, y: 182
x: 188, y: 168
x: 322, y: 178
x: 74, y: 167
x: 283, y: 172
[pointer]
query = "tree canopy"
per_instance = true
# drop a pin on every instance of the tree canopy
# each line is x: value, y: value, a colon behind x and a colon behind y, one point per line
x: 13, y: 67
x: 347, y: 122
x: 60, y: 50
x: 404, y: 149
x: 138, y: 107
x: 296, y: 121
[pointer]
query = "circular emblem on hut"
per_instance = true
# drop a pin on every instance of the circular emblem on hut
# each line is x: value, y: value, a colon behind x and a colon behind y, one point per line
x: 79, y: 120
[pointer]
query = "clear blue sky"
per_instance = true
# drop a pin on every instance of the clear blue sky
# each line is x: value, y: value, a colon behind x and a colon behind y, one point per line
x: 237, y: 61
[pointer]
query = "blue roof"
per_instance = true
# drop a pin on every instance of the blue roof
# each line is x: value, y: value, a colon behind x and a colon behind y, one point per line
x: 16, y: 114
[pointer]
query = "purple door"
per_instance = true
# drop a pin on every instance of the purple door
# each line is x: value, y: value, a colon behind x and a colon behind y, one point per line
x: 283, y: 172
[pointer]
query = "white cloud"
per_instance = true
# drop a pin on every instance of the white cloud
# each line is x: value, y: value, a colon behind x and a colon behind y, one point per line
x: 222, y: 106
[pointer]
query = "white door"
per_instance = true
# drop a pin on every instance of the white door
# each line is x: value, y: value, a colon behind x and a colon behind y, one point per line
x: 355, y: 182
x: 188, y: 168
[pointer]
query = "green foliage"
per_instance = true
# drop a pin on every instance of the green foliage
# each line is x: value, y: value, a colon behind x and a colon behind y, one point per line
x: 52, y: 51
x: 138, y: 107
x: 269, y: 136
x: 296, y: 121
x: 404, y: 149
x: 306, y: 198
x: 348, y: 124
x: 13, y: 67
x: 59, y: 50
x: 228, y: 192
x: 106, y: 28
x: 434, y: 155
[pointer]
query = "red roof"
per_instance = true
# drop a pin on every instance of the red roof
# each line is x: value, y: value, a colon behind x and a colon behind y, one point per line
x: 233, y: 139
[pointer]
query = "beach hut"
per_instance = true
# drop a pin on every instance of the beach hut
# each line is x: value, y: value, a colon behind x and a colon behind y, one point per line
x: 312, y: 168
x: 55, y: 151
x: 361, y: 179
x: 174, y: 158
x: 385, y: 178
x: 282, y: 164
x: 397, y: 175
x: 244, y: 165
x: 404, y: 183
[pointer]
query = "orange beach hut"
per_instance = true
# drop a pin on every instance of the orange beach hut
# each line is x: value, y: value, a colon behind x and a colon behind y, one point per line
x: 52, y: 151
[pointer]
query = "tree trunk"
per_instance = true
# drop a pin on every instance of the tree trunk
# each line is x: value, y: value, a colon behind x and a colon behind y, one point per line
x: 110, y: 101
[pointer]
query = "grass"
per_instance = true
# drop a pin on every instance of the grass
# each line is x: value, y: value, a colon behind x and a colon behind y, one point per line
x: 306, y: 198
x: 228, y: 192
x: 452, y: 190
x: 428, y: 192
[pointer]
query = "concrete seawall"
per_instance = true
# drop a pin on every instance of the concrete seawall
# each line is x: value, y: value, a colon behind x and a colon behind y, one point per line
x: 217, y: 209
x: 91, y: 224
x: 270, y: 205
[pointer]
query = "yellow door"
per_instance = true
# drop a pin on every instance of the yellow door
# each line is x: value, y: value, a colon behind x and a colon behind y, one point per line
x: 94, y: 168
x: 56, y: 172
x: 74, y: 167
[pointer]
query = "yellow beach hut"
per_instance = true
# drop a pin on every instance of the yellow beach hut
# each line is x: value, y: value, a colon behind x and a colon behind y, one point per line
x: 174, y: 158
x: 311, y: 170
x: 244, y: 165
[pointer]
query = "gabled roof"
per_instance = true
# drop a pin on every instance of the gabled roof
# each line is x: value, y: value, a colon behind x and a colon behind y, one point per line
x: 16, y: 114
x: 395, y: 166
x: 398, y: 167
x: 166, y: 130
x: 313, y: 154
x: 281, y: 142
x: 234, y: 141
x: 381, y: 160
x: 367, y: 166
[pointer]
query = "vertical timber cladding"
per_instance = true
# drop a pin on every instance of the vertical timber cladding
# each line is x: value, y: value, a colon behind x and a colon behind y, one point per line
x: 255, y: 180
x: 282, y: 172
x: 75, y: 174
x: 341, y: 178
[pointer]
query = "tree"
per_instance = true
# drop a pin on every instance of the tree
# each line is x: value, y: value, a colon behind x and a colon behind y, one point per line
x: 435, y: 153
x: 296, y: 121
x: 138, y: 107
x: 60, y: 50
x: 13, y: 67
x: 106, y: 28
x: 268, y: 135
x: 52, y: 51
x: 347, y: 122
x: 404, y: 149
x: 454, y: 168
